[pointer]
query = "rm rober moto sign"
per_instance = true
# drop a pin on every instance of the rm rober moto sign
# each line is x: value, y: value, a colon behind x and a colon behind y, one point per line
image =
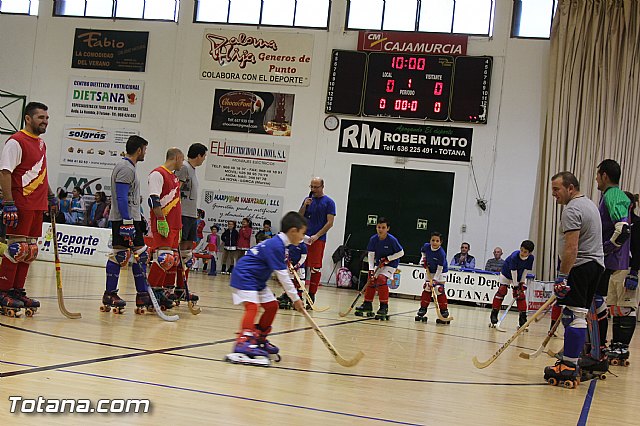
x: 420, y: 43
x: 256, y: 57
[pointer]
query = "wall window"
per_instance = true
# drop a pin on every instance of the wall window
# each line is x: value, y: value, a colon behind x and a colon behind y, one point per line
x: 280, y: 13
x: 22, y: 7
x: 161, y: 10
x: 474, y: 17
x: 532, y: 18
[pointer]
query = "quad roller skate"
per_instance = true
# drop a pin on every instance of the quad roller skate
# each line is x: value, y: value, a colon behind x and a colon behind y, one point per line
x: 366, y: 309
x: 591, y: 368
x: 162, y: 295
x: 265, y: 345
x: 248, y: 351
x: 30, y: 305
x: 619, y: 354
x: 111, y: 300
x: 563, y: 373
x: 180, y: 295
x: 445, y: 314
x: 493, y: 318
x: 143, y: 303
x: 9, y: 305
x: 284, y: 302
x: 421, y: 315
x: 383, y: 312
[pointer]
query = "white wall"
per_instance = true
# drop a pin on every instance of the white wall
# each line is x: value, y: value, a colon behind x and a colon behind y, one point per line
x: 36, y: 61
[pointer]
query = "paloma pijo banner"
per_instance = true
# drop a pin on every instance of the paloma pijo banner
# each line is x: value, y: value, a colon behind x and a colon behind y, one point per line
x: 257, y: 57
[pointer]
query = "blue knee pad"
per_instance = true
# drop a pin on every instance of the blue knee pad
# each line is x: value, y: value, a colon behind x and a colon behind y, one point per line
x: 113, y: 274
x: 575, y: 331
x: 139, y: 268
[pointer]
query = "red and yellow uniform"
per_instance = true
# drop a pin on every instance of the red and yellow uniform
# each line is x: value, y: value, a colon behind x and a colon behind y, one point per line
x: 169, y: 203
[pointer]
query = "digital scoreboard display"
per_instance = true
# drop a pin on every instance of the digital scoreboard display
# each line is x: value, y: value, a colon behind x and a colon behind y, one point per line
x: 425, y: 87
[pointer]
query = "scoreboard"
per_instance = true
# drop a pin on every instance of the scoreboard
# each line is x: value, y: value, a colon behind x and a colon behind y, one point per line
x: 424, y: 87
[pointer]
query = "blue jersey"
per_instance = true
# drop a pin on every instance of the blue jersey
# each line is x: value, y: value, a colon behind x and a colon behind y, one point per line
x: 435, y: 258
x: 515, y: 263
x: 385, y: 248
x: 254, y: 269
x: 316, y: 215
x: 295, y: 252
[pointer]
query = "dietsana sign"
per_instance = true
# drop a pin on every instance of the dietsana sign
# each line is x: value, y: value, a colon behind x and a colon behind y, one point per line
x: 405, y: 140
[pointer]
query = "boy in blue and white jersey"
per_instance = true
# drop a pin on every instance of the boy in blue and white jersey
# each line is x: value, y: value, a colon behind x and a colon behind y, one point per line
x: 249, y: 282
x: 434, y: 260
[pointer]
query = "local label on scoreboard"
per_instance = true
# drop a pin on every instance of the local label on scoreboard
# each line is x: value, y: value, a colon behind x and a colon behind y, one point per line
x: 425, y: 87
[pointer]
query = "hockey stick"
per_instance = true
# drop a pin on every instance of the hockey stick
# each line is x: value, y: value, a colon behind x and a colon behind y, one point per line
x: 545, y: 342
x: 304, y: 291
x: 504, y: 315
x: 435, y: 299
x: 339, y: 358
x: 63, y: 309
x: 195, y: 310
x: 519, y: 331
x: 360, y: 293
x: 152, y: 295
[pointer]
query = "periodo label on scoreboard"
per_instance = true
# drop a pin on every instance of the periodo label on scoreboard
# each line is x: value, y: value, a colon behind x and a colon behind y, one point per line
x: 408, y: 86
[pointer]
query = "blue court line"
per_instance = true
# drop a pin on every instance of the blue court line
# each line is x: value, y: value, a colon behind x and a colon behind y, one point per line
x: 224, y: 395
x: 582, y: 421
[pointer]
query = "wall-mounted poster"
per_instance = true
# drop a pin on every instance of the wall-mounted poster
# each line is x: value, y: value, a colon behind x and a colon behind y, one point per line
x: 252, y: 112
x: 222, y: 206
x: 248, y: 163
x: 94, y: 147
x: 110, y: 50
x: 256, y: 57
x: 95, y: 97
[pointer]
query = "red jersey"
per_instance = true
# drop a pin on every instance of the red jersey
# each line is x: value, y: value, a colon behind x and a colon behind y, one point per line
x: 169, y: 198
x: 29, y: 184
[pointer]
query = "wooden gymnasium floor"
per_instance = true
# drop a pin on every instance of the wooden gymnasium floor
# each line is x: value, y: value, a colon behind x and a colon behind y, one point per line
x: 413, y: 373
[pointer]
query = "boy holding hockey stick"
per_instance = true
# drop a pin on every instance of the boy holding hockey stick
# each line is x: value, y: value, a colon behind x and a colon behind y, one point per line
x: 249, y: 282
x: 520, y: 262
x: 434, y: 260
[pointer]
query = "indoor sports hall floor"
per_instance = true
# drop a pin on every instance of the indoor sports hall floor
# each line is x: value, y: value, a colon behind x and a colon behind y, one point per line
x: 413, y: 373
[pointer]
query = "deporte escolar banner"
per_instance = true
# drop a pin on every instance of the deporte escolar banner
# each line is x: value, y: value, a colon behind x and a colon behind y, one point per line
x: 405, y: 140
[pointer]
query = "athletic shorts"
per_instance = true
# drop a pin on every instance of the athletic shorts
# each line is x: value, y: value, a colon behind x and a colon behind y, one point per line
x: 29, y: 224
x: 618, y: 295
x: 263, y: 296
x: 118, y: 240
x: 583, y: 281
x: 189, y: 228
x: 170, y: 240
x: 315, y: 253
x: 603, y: 283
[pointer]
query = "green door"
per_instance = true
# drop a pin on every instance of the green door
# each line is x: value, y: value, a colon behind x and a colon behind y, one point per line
x: 416, y: 202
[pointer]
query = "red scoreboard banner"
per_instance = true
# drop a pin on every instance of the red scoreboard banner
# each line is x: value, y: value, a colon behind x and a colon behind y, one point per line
x: 412, y: 42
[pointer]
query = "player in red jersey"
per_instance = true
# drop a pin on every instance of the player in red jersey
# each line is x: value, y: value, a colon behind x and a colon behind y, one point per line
x: 166, y: 223
x: 24, y: 182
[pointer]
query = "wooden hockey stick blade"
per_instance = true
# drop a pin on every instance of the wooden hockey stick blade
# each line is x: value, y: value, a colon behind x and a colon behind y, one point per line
x: 339, y: 358
x: 504, y: 315
x: 499, y: 328
x: 519, y: 331
x: 545, y: 342
x: 195, y: 310
x: 156, y: 307
x: 63, y: 309
x: 438, y: 313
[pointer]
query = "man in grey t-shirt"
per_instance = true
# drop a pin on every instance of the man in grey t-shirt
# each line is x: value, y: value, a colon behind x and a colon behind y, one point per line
x: 127, y: 228
x: 581, y: 264
x: 189, y: 199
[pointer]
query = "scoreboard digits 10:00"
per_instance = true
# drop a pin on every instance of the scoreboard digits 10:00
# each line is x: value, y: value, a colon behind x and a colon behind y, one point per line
x: 425, y: 87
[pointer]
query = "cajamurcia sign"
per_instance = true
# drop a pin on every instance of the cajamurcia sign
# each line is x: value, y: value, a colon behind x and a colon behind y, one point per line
x: 110, y: 50
x: 256, y: 57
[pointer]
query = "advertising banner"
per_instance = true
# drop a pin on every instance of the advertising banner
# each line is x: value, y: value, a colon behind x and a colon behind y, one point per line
x: 405, y: 140
x: 248, y: 163
x: 105, y: 98
x: 86, y: 180
x: 256, y: 57
x: 110, y: 50
x: 252, y: 112
x: 79, y: 245
x: 412, y: 42
x: 222, y: 206
x: 94, y: 147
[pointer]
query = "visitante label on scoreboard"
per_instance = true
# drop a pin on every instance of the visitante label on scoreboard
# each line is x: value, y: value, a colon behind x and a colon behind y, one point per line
x: 405, y: 140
